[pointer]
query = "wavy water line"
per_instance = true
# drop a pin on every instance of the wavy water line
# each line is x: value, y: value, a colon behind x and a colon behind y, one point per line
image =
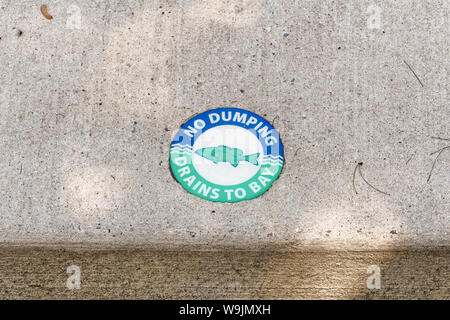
x: 273, y: 157
x: 180, y: 146
x: 178, y: 151
x: 271, y: 160
x: 274, y: 163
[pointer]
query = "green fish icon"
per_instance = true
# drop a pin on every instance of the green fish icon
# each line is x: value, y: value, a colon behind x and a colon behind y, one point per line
x: 226, y: 154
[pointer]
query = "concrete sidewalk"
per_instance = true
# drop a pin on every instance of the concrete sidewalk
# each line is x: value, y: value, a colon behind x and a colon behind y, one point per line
x: 89, y: 102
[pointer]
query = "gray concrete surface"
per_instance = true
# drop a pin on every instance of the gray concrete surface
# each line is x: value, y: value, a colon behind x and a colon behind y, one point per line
x: 89, y: 102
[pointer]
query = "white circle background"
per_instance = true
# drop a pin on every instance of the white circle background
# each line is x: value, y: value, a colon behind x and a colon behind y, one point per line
x: 224, y: 173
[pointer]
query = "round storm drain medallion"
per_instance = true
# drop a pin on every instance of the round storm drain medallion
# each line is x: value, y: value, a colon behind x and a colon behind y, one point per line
x: 226, y: 155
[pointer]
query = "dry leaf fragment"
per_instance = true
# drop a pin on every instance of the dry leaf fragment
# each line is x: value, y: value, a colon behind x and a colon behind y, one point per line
x: 45, y: 12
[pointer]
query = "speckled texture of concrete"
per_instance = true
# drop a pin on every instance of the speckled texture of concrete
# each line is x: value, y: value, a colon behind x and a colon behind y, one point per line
x: 88, y: 107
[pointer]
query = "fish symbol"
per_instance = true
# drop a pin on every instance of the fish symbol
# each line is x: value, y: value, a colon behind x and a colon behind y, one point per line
x: 226, y: 154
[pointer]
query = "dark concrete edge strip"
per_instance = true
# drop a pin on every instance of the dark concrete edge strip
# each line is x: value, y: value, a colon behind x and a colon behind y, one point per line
x: 287, y: 247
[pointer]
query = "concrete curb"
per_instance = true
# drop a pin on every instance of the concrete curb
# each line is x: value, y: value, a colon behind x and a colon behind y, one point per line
x: 37, y: 273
